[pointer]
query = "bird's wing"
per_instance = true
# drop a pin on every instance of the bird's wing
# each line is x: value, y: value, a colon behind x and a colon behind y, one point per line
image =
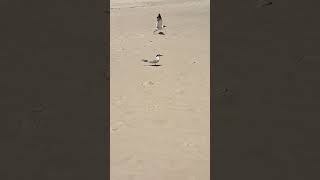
x: 153, y: 61
x: 159, y: 22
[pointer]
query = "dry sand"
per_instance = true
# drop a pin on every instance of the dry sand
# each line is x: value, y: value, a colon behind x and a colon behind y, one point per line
x: 160, y: 116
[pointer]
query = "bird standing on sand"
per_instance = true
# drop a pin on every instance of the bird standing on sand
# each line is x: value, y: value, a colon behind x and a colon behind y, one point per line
x: 154, y: 61
x: 159, y: 25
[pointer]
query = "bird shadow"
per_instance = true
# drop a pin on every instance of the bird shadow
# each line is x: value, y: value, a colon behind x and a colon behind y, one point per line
x: 154, y: 65
x: 161, y: 33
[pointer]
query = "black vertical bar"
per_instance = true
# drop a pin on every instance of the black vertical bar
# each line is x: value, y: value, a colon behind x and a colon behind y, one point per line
x: 54, y: 98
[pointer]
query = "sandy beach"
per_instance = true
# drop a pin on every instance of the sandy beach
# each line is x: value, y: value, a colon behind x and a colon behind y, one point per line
x: 160, y: 115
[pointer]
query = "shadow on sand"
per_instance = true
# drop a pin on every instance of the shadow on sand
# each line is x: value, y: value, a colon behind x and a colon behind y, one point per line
x: 153, y: 65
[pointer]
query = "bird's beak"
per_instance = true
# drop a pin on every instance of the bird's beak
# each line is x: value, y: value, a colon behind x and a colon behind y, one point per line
x: 160, y: 55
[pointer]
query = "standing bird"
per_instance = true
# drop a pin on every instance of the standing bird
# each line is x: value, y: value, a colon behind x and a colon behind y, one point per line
x: 154, y: 61
x: 159, y: 25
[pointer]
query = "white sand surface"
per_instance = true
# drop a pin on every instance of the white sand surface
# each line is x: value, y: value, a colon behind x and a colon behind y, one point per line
x: 160, y: 116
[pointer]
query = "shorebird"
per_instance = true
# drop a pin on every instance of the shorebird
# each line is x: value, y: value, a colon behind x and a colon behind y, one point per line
x: 154, y: 61
x: 159, y: 25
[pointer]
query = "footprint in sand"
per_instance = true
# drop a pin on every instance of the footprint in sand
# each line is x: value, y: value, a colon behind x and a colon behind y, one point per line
x: 194, y: 62
x: 147, y: 84
x: 179, y: 91
x: 152, y: 107
x: 191, y: 148
x: 188, y: 144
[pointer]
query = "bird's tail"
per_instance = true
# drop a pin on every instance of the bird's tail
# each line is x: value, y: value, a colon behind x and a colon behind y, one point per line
x: 144, y: 60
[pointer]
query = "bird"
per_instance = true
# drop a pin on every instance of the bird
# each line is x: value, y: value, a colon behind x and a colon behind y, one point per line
x: 154, y: 61
x: 159, y: 25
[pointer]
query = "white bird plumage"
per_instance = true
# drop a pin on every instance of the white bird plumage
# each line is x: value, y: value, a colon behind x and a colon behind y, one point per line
x: 159, y: 24
x: 154, y: 61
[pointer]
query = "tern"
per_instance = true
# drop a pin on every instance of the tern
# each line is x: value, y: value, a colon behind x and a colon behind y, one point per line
x: 154, y: 61
x: 159, y: 25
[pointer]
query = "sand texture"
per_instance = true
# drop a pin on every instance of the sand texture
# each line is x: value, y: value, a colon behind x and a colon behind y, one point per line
x: 160, y: 115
